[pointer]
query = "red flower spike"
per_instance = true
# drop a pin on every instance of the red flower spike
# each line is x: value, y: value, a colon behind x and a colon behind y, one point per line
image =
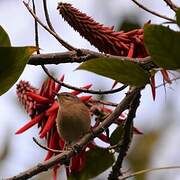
x: 54, y: 107
x: 85, y: 98
x: 38, y: 98
x: 58, y: 86
x: 31, y: 123
x: 84, y: 87
x: 103, y: 38
x: 29, y: 104
x: 49, y: 124
x: 153, y: 87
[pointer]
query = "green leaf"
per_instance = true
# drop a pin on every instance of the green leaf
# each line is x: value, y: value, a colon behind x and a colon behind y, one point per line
x: 12, y: 63
x: 178, y: 17
x: 117, y: 135
x: 123, y: 71
x: 163, y: 45
x: 97, y: 161
x: 4, y: 38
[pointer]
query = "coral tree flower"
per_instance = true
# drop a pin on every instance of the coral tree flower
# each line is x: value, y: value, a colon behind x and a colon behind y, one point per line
x: 42, y: 107
x: 41, y: 104
x: 105, y: 39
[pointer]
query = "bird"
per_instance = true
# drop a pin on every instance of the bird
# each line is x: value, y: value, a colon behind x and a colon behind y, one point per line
x: 73, y: 118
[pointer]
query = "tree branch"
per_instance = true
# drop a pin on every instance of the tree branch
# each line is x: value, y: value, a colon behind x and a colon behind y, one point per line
x: 65, y: 156
x: 127, y: 137
x: 171, y: 5
x: 153, y: 12
x: 74, y: 57
x: 58, y: 38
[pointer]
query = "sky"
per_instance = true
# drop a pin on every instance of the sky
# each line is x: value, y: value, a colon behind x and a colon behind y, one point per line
x: 16, y: 20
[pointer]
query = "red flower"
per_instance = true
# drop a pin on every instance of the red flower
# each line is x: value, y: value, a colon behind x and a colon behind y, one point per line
x: 105, y: 39
x: 44, y: 112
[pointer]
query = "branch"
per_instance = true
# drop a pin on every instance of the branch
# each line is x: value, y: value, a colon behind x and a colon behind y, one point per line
x: 127, y: 137
x: 85, y: 54
x: 64, y: 43
x: 65, y: 156
x: 47, y: 16
x: 153, y: 12
x: 171, y: 5
x: 147, y: 171
x: 82, y: 89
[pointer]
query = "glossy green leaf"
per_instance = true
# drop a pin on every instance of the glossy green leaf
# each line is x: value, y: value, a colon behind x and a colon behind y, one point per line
x: 4, y: 38
x: 178, y: 17
x: 122, y: 71
x: 116, y: 135
x: 163, y: 45
x: 97, y: 161
x: 12, y: 63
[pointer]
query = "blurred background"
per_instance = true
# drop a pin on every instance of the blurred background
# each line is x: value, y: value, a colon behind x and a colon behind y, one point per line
x: 158, y: 120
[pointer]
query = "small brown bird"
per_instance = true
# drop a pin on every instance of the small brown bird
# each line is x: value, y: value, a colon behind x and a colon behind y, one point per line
x: 73, y: 119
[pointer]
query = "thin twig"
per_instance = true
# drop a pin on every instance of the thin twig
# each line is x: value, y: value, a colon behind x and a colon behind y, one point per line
x: 64, y: 43
x: 46, y: 148
x: 65, y: 156
x: 103, y: 102
x: 82, y: 89
x: 36, y: 29
x: 153, y: 12
x: 148, y: 170
x: 171, y: 5
x: 127, y: 137
x: 47, y: 16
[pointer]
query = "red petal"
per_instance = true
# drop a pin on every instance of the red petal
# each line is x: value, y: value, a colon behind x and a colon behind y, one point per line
x: 55, y: 168
x: 131, y: 50
x: 31, y: 123
x: 42, y: 90
x: 54, y: 107
x: 51, y: 88
x: 49, y: 124
x: 103, y: 138
x: 166, y: 76
x: 85, y: 98
x: 153, y: 87
x: 84, y: 87
x: 75, y: 164
x: 82, y: 161
x: 38, y: 98
x: 53, y: 144
x: 58, y: 86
